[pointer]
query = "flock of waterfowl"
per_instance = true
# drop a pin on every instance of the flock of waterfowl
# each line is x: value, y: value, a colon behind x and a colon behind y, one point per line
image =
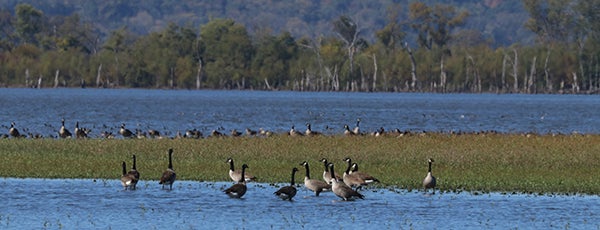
x: 342, y: 186
x: 81, y: 132
x: 345, y: 187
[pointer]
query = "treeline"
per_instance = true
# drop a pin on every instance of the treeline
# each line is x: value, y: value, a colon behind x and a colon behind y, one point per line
x: 439, y: 55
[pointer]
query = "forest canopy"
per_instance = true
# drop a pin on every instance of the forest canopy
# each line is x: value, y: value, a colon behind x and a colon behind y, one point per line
x: 421, y: 46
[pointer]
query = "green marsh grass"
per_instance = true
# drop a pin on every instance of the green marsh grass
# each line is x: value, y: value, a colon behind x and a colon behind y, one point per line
x: 484, y: 163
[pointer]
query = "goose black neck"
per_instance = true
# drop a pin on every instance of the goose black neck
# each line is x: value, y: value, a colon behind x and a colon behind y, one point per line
x: 170, y: 161
x: 133, y: 166
x: 307, y: 170
x: 124, y: 168
x: 326, y: 163
x: 292, y: 181
x: 243, y: 178
x: 231, y: 165
x: 331, y: 171
x: 429, y: 166
x: 349, y: 166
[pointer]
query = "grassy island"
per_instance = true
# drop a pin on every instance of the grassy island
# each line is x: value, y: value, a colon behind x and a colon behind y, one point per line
x: 564, y: 164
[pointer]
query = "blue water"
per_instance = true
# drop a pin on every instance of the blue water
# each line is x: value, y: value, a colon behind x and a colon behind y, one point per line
x: 102, y: 204
x: 39, y: 111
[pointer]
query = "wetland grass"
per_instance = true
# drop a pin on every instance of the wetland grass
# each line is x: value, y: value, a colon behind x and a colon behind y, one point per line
x: 483, y: 163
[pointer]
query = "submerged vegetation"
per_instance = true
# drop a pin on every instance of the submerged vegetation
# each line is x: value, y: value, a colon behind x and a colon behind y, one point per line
x: 493, y: 162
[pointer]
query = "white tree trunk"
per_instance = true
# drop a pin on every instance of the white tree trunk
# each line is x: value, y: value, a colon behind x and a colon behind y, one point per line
x: 442, y: 75
x: 503, y: 77
x: 199, y: 74
x: 99, y: 76
x: 374, y: 73
x: 27, y: 77
x: 56, y: 78
x: 516, y: 71
x: 532, y: 73
x: 547, y: 74
x: 413, y: 65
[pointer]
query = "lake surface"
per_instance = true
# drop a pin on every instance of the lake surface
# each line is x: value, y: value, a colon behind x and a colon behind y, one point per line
x: 39, y: 111
x: 90, y: 204
x: 102, y: 204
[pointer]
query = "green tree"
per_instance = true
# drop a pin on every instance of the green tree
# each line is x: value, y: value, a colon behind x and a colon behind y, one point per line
x: 272, y: 59
x: 115, y: 58
x: 386, y: 53
x: 29, y: 22
x: 434, y: 26
x: 227, y: 53
x: 551, y: 20
x: 348, y: 31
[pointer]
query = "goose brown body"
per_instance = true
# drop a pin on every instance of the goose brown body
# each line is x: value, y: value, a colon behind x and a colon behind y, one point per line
x: 168, y: 177
x: 236, y: 175
x: 352, y: 180
x: 134, y: 171
x: 326, y: 173
x: 13, y: 131
x: 125, y: 132
x: 429, y: 181
x: 316, y: 186
x: 288, y: 192
x: 128, y: 181
x: 238, y: 190
x: 363, y: 175
x: 64, y: 132
x: 342, y: 190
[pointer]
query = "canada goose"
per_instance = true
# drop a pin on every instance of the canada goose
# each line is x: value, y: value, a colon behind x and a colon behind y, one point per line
x: 288, y: 192
x: 363, y: 175
x: 429, y: 181
x: 154, y: 133
x: 250, y: 132
x: 35, y: 136
x: 125, y: 132
x: 235, y: 133
x: 380, y: 132
x: 236, y: 175
x: 342, y: 190
x: 14, y: 132
x: 347, y: 131
x: 356, y: 129
x: 215, y: 133
x: 107, y: 135
x: 140, y: 134
x: 134, y: 171
x: 310, y: 132
x: 63, y: 132
x: 316, y: 186
x: 266, y: 133
x: 350, y: 179
x: 79, y: 133
x: 194, y: 133
x: 238, y: 190
x: 293, y: 132
x: 168, y: 176
x: 127, y: 180
x: 326, y: 174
